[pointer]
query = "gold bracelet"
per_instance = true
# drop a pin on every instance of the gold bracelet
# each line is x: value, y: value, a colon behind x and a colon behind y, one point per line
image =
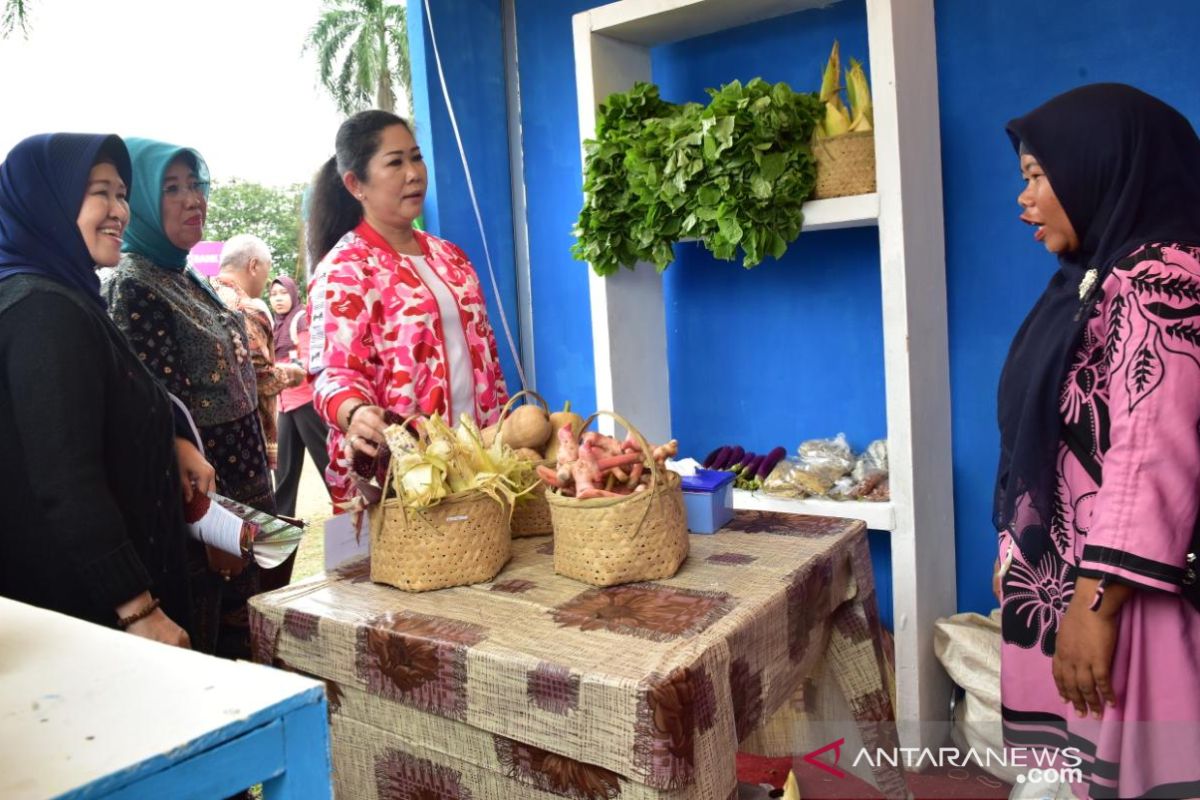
x: 138, y: 616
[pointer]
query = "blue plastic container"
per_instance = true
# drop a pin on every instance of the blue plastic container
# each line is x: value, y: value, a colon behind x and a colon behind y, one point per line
x: 708, y: 497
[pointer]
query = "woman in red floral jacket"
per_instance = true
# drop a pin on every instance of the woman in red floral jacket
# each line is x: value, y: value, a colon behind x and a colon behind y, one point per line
x: 399, y: 320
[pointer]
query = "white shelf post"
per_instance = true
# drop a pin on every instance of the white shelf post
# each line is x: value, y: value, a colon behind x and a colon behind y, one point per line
x: 916, y: 356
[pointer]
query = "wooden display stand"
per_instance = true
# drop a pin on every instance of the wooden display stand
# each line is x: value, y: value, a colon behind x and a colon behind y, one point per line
x: 612, y: 51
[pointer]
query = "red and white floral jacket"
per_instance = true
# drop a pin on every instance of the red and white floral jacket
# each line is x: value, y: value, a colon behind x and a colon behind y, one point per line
x: 376, y: 336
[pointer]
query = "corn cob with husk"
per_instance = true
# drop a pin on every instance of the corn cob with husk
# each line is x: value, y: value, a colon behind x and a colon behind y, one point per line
x: 838, y: 119
x: 791, y: 789
x: 444, y: 461
x: 859, y: 95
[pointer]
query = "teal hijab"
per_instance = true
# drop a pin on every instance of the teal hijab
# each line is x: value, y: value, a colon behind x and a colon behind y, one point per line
x: 144, y: 235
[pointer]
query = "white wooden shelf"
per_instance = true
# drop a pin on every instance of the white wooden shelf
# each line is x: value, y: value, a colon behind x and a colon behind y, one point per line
x: 651, y: 22
x: 879, y: 516
x: 629, y: 333
x: 855, y: 211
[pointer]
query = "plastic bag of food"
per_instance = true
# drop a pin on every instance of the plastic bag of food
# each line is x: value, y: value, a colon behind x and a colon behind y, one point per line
x: 819, y: 465
x: 824, y: 462
x: 782, y: 482
x: 873, y: 459
x: 870, y: 473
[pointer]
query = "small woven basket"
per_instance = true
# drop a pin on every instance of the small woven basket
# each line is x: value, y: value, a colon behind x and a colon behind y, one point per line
x: 845, y: 165
x: 531, y: 513
x: 463, y: 539
x: 611, y: 540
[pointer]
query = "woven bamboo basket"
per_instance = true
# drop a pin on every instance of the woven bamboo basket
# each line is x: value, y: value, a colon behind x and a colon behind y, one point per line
x: 463, y: 539
x: 531, y: 513
x: 607, y: 541
x: 845, y: 165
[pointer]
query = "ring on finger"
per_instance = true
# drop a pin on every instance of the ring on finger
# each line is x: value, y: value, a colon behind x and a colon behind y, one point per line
x: 353, y: 439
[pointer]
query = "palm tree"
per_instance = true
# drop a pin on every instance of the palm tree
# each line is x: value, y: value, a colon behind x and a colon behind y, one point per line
x: 362, y: 52
x: 15, y: 16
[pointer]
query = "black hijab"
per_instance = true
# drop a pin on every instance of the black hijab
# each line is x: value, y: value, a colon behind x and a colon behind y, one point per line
x: 1126, y: 168
x: 42, y: 183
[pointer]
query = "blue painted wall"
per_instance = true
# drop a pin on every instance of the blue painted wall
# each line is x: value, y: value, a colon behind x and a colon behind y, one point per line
x: 792, y: 349
x: 472, y: 48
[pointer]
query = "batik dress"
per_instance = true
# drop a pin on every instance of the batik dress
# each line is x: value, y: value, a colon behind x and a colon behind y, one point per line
x: 197, y: 349
x: 1128, y: 493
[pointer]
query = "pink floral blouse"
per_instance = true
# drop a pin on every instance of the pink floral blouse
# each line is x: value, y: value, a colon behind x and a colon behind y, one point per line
x: 377, y: 336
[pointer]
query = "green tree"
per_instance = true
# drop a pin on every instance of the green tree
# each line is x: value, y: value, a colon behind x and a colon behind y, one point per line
x: 362, y: 53
x: 271, y: 214
x: 14, y: 17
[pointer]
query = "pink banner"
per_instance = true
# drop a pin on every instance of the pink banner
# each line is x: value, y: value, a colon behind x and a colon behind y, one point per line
x: 205, y: 257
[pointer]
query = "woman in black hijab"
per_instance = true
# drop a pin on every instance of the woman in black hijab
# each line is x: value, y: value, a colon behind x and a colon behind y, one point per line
x: 1098, y: 486
x: 91, y: 520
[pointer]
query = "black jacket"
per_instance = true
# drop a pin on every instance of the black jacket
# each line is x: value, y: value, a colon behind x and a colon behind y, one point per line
x: 90, y: 503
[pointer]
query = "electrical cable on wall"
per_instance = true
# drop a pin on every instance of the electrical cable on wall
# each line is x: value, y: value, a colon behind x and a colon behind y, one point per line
x: 437, y: 58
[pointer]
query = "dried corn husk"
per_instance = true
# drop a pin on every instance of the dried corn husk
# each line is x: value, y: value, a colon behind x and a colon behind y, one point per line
x: 446, y: 461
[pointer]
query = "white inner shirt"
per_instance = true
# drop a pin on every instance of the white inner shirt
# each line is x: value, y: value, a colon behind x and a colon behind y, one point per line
x: 462, y: 374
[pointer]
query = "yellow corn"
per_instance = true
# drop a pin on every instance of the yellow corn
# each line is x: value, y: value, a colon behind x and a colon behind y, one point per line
x: 829, y: 80
x: 791, y: 789
x: 859, y: 94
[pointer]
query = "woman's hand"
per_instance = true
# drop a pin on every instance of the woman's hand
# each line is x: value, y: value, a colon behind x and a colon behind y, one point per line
x: 996, y: 581
x: 195, y: 473
x: 364, y: 428
x: 1086, y: 641
x: 156, y: 626
x: 294, y: 374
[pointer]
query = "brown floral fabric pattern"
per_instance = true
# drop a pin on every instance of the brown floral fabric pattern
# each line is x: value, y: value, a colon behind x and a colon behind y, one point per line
x: 745, y: 684
x: 553, y: 688
x: 419, y: 660
x: 665, y: 747
x: 807, y: 606
x: 788, y: 524
x: 731, y: 559
x: 264, y: 637
x: 646, y: 610
x: 556, y: 774
x: 400, y: 776
x: 301, y: 624
x: 516, y: 586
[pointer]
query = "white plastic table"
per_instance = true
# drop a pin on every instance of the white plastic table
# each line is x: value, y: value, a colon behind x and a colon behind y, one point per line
x: 88, y: 712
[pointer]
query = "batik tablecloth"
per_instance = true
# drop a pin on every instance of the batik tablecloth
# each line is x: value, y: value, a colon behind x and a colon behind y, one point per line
x: 535, y: 685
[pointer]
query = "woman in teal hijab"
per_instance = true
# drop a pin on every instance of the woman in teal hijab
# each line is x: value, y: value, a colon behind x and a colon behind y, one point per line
x: 197, y: 349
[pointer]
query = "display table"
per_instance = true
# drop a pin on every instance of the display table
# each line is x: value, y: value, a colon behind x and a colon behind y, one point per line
x: 538, y: 686
x: 88, y: 712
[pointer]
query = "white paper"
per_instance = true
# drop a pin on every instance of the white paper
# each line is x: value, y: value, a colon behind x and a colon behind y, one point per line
x: 343, y: 541
x: 684, y: 467
x: 220, y: 528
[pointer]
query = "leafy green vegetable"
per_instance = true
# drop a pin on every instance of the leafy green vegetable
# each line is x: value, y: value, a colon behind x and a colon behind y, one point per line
x: 733, y: 174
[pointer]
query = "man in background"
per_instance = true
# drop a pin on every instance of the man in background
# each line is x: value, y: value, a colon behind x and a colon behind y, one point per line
x: 245, y: 269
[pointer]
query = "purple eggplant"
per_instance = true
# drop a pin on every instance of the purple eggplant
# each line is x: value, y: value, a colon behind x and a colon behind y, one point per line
x: 735, y: 458
x: 768, y: 463
x: 752, y: 465
x: 743, y: 463
x: 721, y: 457
x: 711, y: 458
